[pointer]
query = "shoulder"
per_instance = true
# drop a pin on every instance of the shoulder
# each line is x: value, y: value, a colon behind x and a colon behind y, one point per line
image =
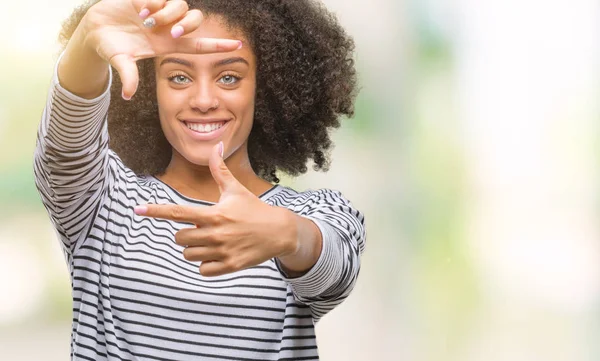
x: 121, y: 169
x: 126, y: 180
x: 311, y: 197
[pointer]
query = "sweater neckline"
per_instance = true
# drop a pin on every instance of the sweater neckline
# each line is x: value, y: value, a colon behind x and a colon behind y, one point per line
x: 176, y: 195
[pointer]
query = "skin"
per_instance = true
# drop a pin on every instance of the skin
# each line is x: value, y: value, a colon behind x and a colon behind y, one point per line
x: 307, y: 80
x: 196, y: 87
x: 240, y: 230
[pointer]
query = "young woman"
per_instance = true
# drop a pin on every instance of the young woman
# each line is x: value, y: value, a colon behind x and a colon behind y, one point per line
x: 181, y: 247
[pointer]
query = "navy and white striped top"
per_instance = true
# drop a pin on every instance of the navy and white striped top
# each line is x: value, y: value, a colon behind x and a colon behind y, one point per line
x: 134, y: 295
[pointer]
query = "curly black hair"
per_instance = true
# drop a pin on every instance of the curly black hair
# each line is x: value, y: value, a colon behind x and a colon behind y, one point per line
x: 306, y: 80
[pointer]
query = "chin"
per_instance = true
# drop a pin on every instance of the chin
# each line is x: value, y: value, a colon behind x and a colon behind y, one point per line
x: 198, y: 155
x: 201, y: 160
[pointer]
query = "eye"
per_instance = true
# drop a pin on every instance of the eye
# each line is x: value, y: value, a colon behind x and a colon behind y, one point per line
x: 179, y: 79
x: 229, y: 79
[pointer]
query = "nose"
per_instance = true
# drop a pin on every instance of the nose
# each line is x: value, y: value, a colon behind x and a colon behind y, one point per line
x: 204, y: 97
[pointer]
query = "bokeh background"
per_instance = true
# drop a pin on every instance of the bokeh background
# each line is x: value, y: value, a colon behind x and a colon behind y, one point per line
x: 473, y: 154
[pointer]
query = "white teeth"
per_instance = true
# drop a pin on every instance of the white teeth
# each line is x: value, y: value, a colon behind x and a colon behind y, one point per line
x: 204, y: 128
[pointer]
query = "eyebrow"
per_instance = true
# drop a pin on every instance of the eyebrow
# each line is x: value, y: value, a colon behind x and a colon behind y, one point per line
x: 230, y: 61
x: 177, y: 61
x: 215, y: 64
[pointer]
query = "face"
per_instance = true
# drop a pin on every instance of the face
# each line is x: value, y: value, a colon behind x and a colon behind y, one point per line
x: 208, y: 98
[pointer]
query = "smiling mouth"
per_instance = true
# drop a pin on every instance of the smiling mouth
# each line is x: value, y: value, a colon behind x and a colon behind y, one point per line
x: 204, y: 127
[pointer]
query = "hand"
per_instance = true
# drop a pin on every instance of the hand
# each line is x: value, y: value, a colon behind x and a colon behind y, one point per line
x: 238, y: 232
x: 114, y: 29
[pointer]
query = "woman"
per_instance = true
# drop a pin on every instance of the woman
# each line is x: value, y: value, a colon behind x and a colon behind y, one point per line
x: 183, y: 249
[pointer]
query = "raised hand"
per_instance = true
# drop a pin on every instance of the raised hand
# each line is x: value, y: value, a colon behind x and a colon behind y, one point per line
x: 238, y: 232
x: 115, y: 30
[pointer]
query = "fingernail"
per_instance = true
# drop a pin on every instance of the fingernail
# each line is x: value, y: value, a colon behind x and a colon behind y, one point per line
x: 221, y: 149
x: 140, y: 210
x: 144, y: 13
x: 125, y: 96
x: 149, y: 23
x: 177, y: 31
x: 239, y: 45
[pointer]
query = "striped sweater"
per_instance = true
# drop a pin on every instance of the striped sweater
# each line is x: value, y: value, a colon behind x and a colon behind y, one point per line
x: 134, y: 295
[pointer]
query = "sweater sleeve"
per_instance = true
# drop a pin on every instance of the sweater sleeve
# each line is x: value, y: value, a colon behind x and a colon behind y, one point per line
x: 332, y: 278
x: 71, y: 160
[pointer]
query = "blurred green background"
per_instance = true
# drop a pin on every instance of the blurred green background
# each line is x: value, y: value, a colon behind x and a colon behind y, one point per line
x: 473, y: 154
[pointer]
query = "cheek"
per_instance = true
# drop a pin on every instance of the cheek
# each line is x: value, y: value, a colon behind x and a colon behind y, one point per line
x: 242, y: 105
x: 169, y: 102
x: 162, y: 100
x: 168, y: 108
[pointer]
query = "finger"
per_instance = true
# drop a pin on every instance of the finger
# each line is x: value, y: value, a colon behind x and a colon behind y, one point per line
x: 213, y: 268
x: 173, y: 11
x: 173, y: 212
x: 189, y: 23
x: 221, y: 174
x: 206, y: 45
x: 149, y: 6
x: 140, y: 5
x: 193, y: 237
x: 202, y: 254
x: 128, y: 71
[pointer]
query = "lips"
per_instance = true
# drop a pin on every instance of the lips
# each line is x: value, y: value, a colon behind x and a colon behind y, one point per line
x: 205, y: 129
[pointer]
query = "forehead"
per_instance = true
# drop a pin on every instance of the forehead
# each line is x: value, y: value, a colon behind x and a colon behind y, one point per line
x: 215, y: 27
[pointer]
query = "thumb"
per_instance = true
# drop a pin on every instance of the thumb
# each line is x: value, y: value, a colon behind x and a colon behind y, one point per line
x: 221, y: 174
x: 128, y: 72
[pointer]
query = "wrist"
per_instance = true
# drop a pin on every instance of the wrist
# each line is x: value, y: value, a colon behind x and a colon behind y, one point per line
x: 303, y: 245
x: 81, y: 69
x: 288, y: 234
x: 82, y: 43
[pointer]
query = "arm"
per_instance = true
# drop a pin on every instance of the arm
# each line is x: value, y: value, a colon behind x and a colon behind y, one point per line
x: 242, y: 231
x: 306, y: 246
x: 81, y: 71
x: 71, y: 155
x: 342, y: 231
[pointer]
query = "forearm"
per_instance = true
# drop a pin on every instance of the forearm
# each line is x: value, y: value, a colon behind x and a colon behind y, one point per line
x: 341, y: 228
x: 71, y: 157
x: 306, y: 244
x: 81, y: 70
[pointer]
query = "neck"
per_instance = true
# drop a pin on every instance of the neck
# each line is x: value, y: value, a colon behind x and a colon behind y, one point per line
x: 196, y: 181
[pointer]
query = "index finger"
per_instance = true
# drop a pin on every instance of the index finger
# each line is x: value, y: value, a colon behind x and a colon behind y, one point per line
x: 172, y: 212
x: 206, y: 45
